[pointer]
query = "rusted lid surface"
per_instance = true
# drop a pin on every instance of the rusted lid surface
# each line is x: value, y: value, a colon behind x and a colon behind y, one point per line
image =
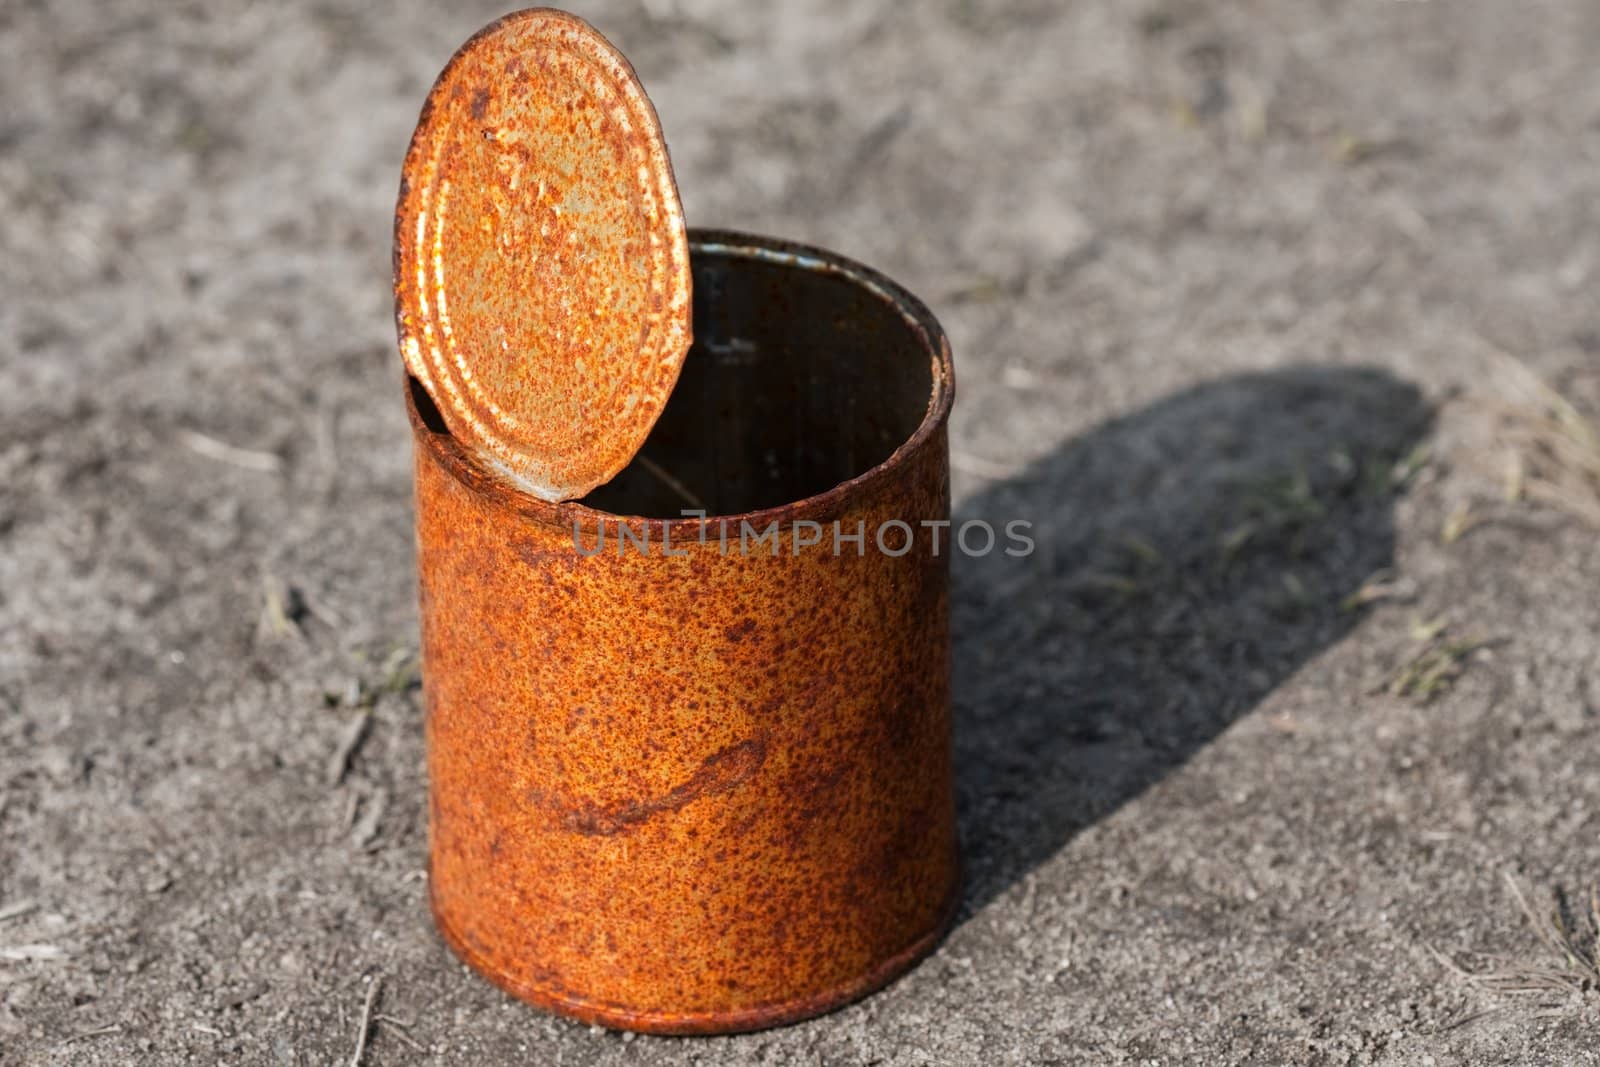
x: 541, y: 264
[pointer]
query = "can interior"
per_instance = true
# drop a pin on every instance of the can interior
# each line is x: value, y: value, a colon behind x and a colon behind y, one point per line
x: 801, y: 376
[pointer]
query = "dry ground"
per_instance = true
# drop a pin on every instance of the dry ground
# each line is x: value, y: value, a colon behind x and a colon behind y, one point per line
x: 1286, y: 692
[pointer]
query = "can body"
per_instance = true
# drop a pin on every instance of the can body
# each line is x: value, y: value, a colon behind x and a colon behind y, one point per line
x: 694, y: 776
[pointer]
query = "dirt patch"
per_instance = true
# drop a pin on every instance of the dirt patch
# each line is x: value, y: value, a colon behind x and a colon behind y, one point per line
x: 1220, y: 279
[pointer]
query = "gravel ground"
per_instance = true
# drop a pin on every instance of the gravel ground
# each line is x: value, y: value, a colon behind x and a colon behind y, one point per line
x: 1287, y: 699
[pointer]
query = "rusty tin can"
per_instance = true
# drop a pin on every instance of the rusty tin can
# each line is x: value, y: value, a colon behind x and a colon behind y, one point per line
x: 694, y: 775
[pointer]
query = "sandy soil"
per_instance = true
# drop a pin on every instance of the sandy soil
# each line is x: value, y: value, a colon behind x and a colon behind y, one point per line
x: 1226, y: 283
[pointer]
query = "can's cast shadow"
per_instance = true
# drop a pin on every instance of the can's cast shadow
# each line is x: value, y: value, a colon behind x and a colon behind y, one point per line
x: 1188, y: 558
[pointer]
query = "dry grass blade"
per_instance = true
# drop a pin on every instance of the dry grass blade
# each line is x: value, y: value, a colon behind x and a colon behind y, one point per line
x: 282, y: 610
x: 1569, y: 495
x: 365, y: 1025
x: 25, y: 953
x: 401, y: 1030
x: 355, y: 732
x: 1380, y: 585
x: 249, y: 459
x: 1545, y: 928
x: 1554, y: 451
x: 365, y: 830
x: 1435, y: 663
x: 17, y: 909
x: 99, y: 1031
x: 1569, y: 971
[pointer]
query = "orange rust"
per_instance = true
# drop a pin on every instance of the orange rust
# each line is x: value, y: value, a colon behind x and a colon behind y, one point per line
x: 704, y: 792
x: 541, y: 269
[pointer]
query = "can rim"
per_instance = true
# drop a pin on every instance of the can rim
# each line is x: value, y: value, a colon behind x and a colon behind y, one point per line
x: 707, y: 1022
x: 823, y: 506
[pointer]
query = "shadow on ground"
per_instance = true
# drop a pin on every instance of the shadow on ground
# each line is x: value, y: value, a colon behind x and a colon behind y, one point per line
x: 1189, y: 558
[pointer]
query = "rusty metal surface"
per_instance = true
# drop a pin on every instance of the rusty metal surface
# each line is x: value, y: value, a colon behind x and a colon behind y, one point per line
x: 541, y: 268
x: 702, y: 792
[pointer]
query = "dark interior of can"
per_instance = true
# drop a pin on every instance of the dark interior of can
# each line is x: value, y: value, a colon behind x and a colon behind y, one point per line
x: 800, y: 377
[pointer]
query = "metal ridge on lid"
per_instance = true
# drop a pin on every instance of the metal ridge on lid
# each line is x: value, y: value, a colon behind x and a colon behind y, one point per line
x: 542, y: 286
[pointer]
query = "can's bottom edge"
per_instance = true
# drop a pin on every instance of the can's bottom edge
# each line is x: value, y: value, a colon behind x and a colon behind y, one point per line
x: 761, y: 1017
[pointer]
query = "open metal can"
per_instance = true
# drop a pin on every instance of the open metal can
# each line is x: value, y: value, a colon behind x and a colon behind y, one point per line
x: 688, y: 737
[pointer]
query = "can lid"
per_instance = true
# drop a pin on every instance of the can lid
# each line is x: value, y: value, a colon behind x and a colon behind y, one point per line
x: 541, y: 264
